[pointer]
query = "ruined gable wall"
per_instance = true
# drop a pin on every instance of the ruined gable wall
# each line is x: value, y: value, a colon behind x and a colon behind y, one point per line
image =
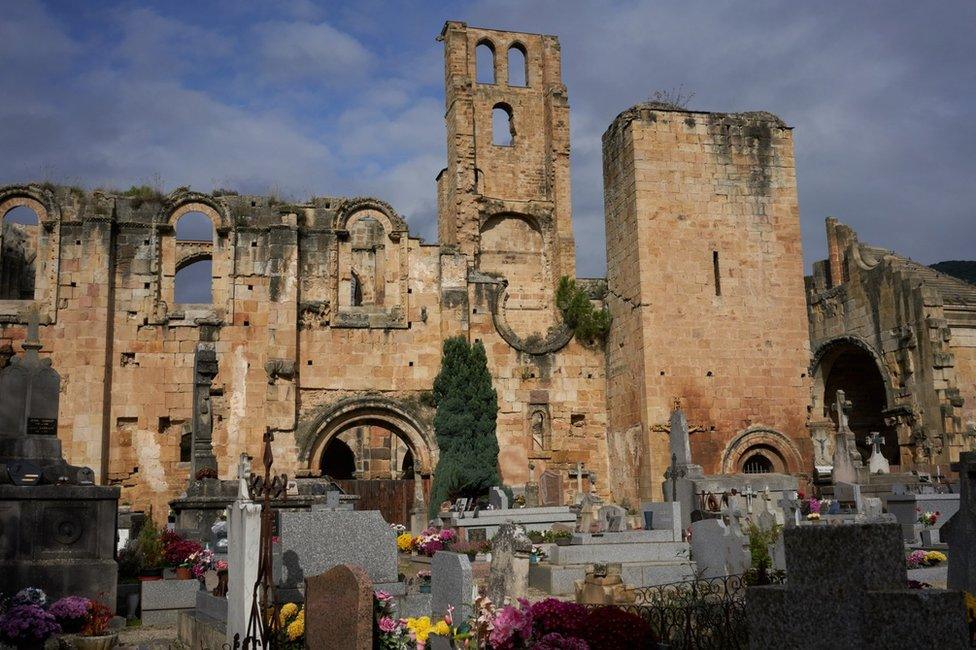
x: 881, y: 299
x: 735, y: 357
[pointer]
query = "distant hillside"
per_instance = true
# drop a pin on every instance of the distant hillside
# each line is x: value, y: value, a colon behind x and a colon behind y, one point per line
x: 964, y: 270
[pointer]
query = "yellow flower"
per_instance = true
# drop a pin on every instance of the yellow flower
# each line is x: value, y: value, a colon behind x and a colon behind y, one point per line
x: 404, y: 541
x: 296, y: 628
x: 420, y: 628
x: 287, y: 611
x: 935, y: 556
x: 441, y: 629
x: 970, y: 606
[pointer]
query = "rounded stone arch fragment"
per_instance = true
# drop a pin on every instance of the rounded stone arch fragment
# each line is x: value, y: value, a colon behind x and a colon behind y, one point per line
x: 315, y: 434
x: 350, y: 209
x: 762, y: 445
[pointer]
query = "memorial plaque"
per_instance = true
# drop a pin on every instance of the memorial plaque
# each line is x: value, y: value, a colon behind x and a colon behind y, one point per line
x: 550, y: 489
x: 42, y: 427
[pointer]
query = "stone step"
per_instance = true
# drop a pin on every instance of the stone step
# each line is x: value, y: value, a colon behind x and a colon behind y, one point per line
x: 560, y: 580
x: 626, y: 552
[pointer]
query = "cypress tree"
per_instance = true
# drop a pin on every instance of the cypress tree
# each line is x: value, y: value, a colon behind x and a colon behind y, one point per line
x: 467, y: 410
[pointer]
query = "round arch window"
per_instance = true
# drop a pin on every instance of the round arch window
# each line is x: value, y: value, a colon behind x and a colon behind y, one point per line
x: 757, y: 464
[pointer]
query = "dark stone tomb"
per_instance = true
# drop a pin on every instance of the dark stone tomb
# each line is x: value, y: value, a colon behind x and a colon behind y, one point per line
x: 57, y: 529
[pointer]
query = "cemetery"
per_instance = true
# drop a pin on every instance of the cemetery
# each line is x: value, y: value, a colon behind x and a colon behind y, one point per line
x: 366, y: 441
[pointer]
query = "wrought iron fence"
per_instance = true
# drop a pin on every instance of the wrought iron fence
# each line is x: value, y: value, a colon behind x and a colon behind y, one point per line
x: 702, y: 614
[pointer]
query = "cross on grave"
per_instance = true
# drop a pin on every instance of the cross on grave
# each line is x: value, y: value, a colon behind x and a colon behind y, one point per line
x: 791, y: 510
x: 673, y: 473
x: 843, y: 407
x: 749, y: 494
x: 732, y: 513
x: 876, y: 440
x: 579, y: 478
x: 877, y: 463
x: 244, y: 478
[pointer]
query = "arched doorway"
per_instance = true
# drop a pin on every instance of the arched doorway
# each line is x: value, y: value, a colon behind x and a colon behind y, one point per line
x: 851, y: 366
x: 375, y: 448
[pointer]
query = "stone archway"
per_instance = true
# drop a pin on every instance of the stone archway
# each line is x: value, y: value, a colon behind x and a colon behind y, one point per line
x: 853, y: 366
x: 362, y: 424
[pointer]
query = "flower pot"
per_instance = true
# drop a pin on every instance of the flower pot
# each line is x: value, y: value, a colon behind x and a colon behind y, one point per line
x: 425, y: 589
x: 184, y: 573
x: 106, y: 642
x: 132, y: 605
x: 150, y: 574
x: 533, y: 559
x: 648, y: 520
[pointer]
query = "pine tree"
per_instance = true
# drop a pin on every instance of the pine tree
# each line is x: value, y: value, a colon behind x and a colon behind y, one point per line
x: 467, y: 410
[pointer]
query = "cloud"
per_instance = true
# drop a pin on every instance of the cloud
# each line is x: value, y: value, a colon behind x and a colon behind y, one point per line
x: 294, y: 51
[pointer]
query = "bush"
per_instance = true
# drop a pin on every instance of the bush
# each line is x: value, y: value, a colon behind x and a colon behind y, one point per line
x: 150, y: 545
x: 760, y: 540
x: 588, y: 323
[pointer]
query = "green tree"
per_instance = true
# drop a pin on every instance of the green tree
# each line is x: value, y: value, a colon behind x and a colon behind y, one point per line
x: 467, y: 409
x: 590, y: 325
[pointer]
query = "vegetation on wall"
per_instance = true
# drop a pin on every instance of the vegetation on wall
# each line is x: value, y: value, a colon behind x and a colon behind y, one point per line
x: 588, y: 323
x: 467, y: 409
x: 962, y: 269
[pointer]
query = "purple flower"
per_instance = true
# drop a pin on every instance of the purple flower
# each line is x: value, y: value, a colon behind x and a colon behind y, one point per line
x: 27, y: 623
x: 511, y: 625
x: 70, y: 612
x: 551, y: 615
x: 556, y: 641
x: 388, y: 625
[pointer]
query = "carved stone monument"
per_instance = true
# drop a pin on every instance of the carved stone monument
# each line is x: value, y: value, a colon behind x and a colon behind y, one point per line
x: 877, y: 463
x: 57, y: 529
x: 846, y: 457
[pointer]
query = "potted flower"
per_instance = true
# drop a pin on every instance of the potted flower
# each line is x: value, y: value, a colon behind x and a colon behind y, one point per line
x: 562, y: 537
x: 27, y: 625
x: 291, y: 627
x: 95, y: 634
x: 538, y: 553
x: 177, y: 553
x: 71, y: 612
x: 423, y: 579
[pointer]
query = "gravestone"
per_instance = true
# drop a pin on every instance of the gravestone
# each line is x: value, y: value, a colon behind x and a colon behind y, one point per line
x: 844, y: 465
x: 314, y: 541
x: 666, y: 516
x: 57, y: 529
x: 877, y: 463
x: 847, y: 588
x: 611, y: 518
x: 451, y: 585
x: 719, y: 550
x: 960, y: 531
x: 680, y: 476
x: 497, y: 498
x: 339, y: 609
x: 508, y: 578
x: 550, y: 489
x: 243, y: 551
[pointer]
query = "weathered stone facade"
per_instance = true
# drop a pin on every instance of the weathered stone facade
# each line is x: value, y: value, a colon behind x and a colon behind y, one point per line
x: 326, y: 317
x: 900, y: 339
x: 704, y: 271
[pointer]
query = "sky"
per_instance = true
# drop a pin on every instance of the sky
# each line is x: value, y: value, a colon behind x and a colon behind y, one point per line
x: 304, y: 98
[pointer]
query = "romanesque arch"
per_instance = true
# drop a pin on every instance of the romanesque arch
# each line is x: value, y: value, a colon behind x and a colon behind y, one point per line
x: 761, y: 447
x: 367, y: 410
x: 852, y: 365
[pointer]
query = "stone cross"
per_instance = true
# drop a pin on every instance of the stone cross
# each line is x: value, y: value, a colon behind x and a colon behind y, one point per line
x: 732, y: 513
x: 843, y: 408
x: 579, y: 478
x: 749, y: 494
x: 877, y: 463
x: 244, y: 478
x: 673, y: 473
x: 680, y: 444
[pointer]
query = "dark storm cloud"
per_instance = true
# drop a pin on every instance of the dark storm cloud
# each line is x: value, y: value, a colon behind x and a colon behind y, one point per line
x: 346, y: 98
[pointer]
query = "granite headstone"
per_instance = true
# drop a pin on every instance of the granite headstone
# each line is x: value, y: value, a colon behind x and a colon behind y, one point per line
x: 339, y: 609
x: 451, y: 585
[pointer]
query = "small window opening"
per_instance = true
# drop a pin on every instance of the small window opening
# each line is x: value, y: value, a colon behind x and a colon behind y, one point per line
x: 194, y: 226
x: 186, y: 447
x: 485, y: 63
x: 502, y: 126
x: 518, y: 73
x: 718, y: 274
x: 757, y: 464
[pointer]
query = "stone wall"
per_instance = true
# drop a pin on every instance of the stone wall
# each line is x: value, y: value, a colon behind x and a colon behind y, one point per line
x: 915, y: 328
x: 704, y: 270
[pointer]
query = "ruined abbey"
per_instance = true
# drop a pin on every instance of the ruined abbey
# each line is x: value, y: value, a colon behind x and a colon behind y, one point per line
x: 326, y: 318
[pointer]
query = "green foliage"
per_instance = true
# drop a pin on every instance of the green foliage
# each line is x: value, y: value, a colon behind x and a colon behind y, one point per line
x: 150, y: 545
x: 467, y: 408
x: 141, y: 194
x: 760, y: 539
x: 588, y: 323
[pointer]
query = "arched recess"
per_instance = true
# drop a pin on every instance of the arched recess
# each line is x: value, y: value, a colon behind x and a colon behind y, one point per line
x: 513, y: 247
x: 369, y: 411
x: 774, y: 447
x: 502, y: 125
x: 18, y: 253
x: 853, y: 366
x: 23, y: 200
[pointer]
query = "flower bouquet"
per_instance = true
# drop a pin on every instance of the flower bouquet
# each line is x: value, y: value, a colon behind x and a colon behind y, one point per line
x: 177, y: 553
x: 928, y: 519
x: 27, y: 626
x: 432, y: 540
x: 291, y: 633
x: 70, y: 612
x: 404, y: 542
